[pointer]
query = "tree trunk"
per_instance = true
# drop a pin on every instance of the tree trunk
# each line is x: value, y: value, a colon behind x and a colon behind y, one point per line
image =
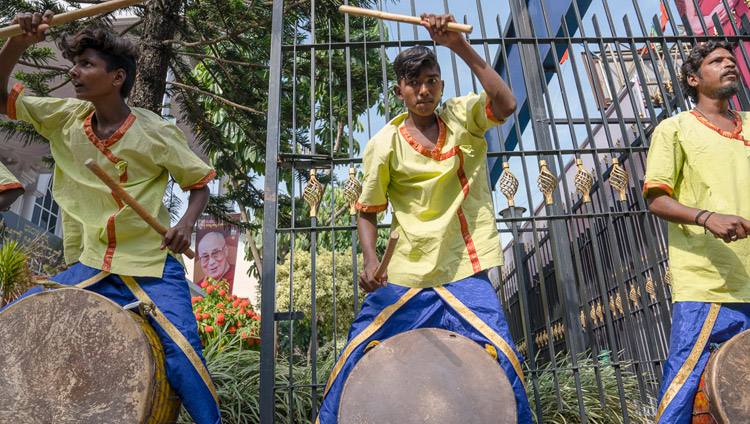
x: 159, y: 23
x: 2, y: 298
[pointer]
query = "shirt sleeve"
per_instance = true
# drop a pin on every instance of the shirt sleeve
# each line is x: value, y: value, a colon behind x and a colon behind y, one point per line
x: 48, y: 115
x: 183, y: 164
x: 474, y: 112
x: 7, y: 180
x: 664, y: 160
x: 376, y: 166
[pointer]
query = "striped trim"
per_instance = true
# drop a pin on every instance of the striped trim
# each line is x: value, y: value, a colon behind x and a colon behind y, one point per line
x: 10, y: 107
x: 490, y: 114
x: 10, y: 186
x: 465, y: 233
x: 114, y: 138
x: 370, y: 209
x: 736, y: 134
x: 202, y: 183
x: 436, y: 152
x: 173, y: 333
x: 366, y: 333
x: 483, y: 328
x: 692, y: 359
x: 667, y: 188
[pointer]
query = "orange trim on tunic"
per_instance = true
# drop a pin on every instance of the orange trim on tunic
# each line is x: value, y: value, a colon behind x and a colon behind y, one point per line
x: 669, y: 190
x: 736, y: 134
x: 10, y: 107
x: 436, y: 152
x: 465, y: 233
x: 103, y: 147
x: 490, y: 114
x: 202, y: 183
x: 10, y: 186
x: 368, y: 208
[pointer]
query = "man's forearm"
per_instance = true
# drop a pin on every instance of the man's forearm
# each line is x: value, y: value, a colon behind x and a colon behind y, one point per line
x: 196, y: 203
x: 367, y: 229
x: 669, y: 209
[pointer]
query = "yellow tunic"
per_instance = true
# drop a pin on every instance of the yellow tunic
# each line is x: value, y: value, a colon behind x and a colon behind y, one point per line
x: 98, y: 229
x: 7, y: 180
x: 704, y: 167
x: 441, y: 200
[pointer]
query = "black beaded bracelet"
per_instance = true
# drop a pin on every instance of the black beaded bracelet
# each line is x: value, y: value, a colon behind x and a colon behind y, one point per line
x: 705, y: 229
x: 698, y: 216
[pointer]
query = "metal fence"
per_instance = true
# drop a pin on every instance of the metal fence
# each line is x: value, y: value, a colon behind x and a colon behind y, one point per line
x: 586, y: 286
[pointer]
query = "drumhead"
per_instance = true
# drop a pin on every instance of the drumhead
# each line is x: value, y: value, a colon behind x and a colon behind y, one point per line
x: 73, y: 356
x: 427, y: 375
x: 728, y: 381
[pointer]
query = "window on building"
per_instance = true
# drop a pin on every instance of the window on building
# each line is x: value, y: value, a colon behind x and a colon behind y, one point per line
x: 46, y: 211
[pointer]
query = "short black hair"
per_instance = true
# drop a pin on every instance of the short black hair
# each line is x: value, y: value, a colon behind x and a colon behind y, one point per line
x: 117, y: 52
x: 692, y: 65
x: 410, y: 62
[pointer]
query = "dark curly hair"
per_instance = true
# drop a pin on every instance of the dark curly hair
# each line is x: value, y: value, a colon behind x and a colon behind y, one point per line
x: 692, y: 65
x: 117, y: 52
x: 409, y: 63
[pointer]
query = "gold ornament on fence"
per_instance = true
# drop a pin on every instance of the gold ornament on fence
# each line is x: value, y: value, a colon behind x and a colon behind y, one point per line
x: 633, y: 295
x: 612, y: 305
x: 618, y: 179
x: 599, y: 311
x: 583, y: 181
x: 583, y: 319
x: 352, y: 190
x: 546, y: 182
x: 313, y: 193
x: 668, y: 274
x: 592, y: 314
x: 650, y: 287
x: 508, y: 184
x: 618, y: 303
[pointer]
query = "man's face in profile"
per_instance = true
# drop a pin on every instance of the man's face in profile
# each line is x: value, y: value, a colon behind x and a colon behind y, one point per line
x: 212, y: 252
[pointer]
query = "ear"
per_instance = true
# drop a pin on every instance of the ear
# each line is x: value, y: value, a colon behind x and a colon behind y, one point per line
x: 119, y: 77
x: 397, y: 91
x: 693, y: 80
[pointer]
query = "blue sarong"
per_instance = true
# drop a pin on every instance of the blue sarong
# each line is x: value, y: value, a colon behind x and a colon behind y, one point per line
x: 171, y: 295
x: 695, y: 326
x: 469, y: 307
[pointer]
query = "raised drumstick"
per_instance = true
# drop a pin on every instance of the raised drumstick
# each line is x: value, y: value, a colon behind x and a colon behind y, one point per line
x: 64, y: 18
x: 452, y: 26
x: 389, y: 249
x: 130, y: 201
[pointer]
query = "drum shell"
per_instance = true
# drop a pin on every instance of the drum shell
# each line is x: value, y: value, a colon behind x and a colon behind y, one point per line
x: 427, y: 375
x: 71, y: 355
x: 727, y: 380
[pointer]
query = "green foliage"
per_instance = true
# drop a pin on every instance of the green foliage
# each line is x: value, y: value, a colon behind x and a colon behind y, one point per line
x: 596, y: 413
x: 14, y: 274
x: 222, y: 316
x: 324, y: 289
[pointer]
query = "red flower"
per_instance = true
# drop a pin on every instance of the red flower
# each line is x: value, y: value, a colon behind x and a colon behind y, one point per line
x: 220, y: 305
x: 220, y: 323
x: 199, y: 309
x: 244, y: 303
x: 232, y: 330
x: 222, y: 292
x: 197, y: 316
x: 239, y: 323
x: 228, y: 298
x: 208, y: 329
x: 210, y: 289
x: 234, y: 296
x: 236, y: 303
x: 242, y: 311
x: 206, y: 315
x: 220, y: 317
x: 257, y: 318
x: 204, y: 284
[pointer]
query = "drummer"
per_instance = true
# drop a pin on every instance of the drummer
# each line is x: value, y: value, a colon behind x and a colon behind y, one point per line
x: 431, y: 163
x: 110, y: 250
x: 697, y: 174
x: 10, y: 188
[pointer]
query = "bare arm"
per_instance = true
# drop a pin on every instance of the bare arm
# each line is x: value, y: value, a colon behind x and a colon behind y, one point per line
x: 503, y: 101
x: 34, y: 27
x: 726, y: 227
x: 177, y: 238
x: 367, y: 228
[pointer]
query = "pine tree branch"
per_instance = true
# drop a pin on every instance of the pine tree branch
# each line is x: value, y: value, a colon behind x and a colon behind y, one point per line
x: 218, y: 59
x: 47, y: 67
x: 130, y: 27
x: 217, y: 97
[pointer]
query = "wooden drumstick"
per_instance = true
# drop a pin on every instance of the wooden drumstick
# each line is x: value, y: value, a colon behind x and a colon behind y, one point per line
x: 389, y: 249
x: 64, y: 18
x: 130, y: 201
x: 452, y: 26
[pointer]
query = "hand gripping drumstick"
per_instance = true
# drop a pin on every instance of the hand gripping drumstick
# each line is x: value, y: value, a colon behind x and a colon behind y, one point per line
x: 452, y: 26
x: 389, y: 249
x: 128, y: 200
x: 64, y: 18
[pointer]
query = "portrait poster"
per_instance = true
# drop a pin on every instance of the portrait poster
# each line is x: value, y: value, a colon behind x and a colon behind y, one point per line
x: 216, y: 250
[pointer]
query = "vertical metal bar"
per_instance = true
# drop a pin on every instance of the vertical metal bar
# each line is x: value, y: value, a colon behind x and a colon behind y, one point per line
x: 270, y: 219
x: 314, y: 234
x: 350, y: 131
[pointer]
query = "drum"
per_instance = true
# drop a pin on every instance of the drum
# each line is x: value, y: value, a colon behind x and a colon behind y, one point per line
x: 427, y: 375
x: 723, y: 392
x: 74, y: 356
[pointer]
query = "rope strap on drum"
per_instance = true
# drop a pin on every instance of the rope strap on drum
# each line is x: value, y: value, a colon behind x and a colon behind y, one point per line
x: 172, y: 331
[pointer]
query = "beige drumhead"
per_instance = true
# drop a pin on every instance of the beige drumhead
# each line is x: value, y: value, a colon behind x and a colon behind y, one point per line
x: 728, y: 381
x: 427, y: 375
x: 73, y: 356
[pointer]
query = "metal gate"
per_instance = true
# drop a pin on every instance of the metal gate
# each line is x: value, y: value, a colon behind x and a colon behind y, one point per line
x: 586, y: 285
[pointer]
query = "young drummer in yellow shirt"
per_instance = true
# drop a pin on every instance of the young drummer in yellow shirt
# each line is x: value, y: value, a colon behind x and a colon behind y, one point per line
x: 110, y: 249
x: 431, y: 164
x: 697, y: 175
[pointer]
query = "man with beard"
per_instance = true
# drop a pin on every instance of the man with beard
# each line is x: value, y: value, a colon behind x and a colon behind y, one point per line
x: 213, y: 254
x: 696, y: 178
